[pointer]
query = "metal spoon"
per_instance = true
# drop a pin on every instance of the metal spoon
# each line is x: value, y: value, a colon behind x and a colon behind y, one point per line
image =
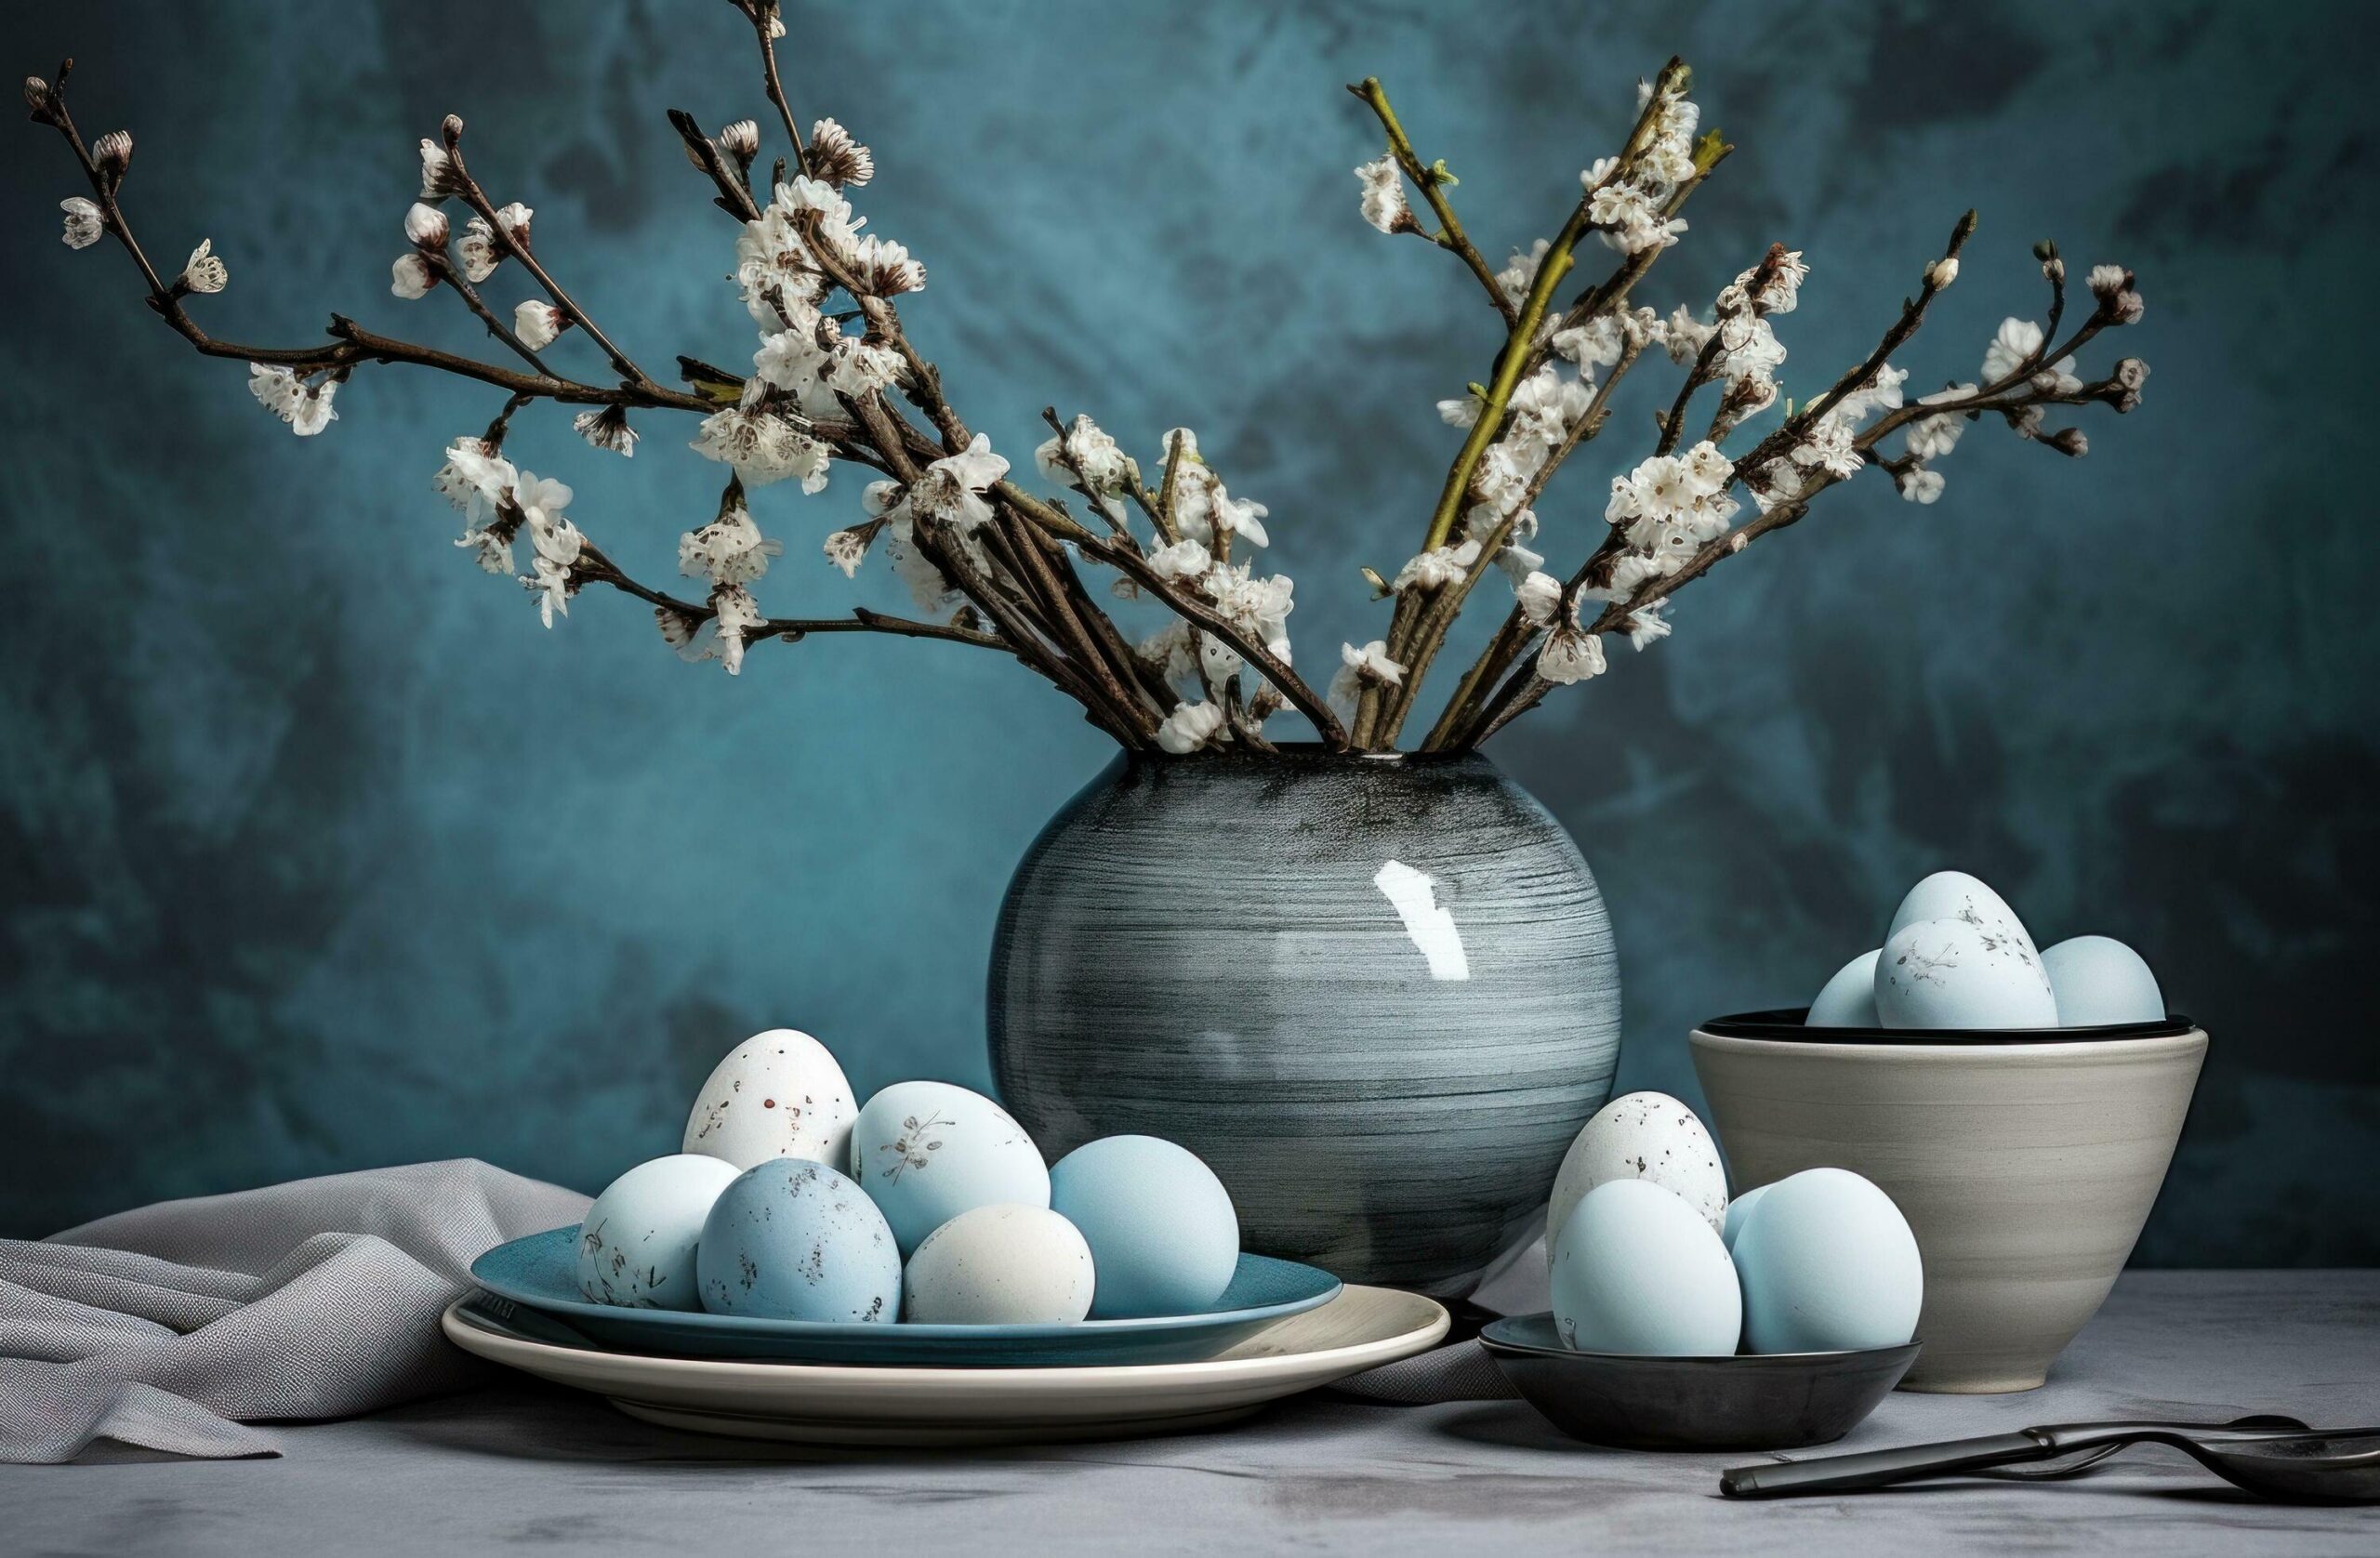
x: 2289, y: 1463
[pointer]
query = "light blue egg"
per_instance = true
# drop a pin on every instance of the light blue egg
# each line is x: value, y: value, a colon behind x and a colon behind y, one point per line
x: 1638, y: 1270
x: 1829, y: 1265
x: 636, y: 1247
x: 928, y: 1151
x: 1949, y: 973
x: 1163, y: 1236
x: 793, y: 1240
x: 1739, y: 1209
x: 1849, y: 998
x: 2100, y: 979
x: 1956, y: 895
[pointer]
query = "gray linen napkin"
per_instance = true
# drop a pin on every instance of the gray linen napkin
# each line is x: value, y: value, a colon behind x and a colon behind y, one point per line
x: 172, y: 1326
x: 1516, y: 1283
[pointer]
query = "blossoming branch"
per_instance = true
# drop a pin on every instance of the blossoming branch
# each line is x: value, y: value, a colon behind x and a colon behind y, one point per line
x: 836, y: 380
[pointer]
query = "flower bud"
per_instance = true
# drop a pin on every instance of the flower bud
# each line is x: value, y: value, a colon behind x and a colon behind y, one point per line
x: 2132, y: 372
x: 741, y: 141
x: 426, y: 227
x: 451, y: 127
x: 537, y: 323
x: 1942, y: 272
x: 38, y: 98
x: 512, y: 220
x: 2069, y: 442
x: 113, y: 151
x: 2053, y: 269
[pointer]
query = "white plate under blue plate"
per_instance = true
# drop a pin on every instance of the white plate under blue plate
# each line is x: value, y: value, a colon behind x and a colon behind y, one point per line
x: 541, y: 1273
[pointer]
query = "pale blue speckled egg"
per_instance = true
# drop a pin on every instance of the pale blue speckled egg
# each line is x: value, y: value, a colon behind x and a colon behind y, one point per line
x: 928, y: 1151
x: 1849, y: 998
x: 1829, y: 1264
x: 793, y: 1240
x: 636, y: 1247
x: 1160, y: 1225
x: 1956, y: 895
x: 2100, y: 979
x: 1951, y: 973
x: 1639, y: 1270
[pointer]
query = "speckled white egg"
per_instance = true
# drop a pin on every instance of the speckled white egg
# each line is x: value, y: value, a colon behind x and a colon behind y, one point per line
x: 1640, y: 1271
x: 1640, y: 1136
x: 2100, y: 979
x: 928, y: 1151
x: 1738, y: 1210
x: 1159, y: 1223
x: 1001, y: 1265
x: 793, y: 1240
x: 1849, y: 998
x: 1829, y: 1264
x: 777, y: 1094
x: 1956, y: 895
x: 1948, y: 973
x: 636, y: 1247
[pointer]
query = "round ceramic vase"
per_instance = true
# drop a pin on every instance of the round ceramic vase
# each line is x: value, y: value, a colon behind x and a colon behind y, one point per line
x: 1376, y: 996
x: 2025, y: 1168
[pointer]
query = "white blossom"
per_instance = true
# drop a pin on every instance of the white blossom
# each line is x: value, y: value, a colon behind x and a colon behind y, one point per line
x: 555, y: 541
x: 952, y: 488
x: 2106, y: 281
x: 1172, y: 651
x: 1190, y: 727
x: 425, y: 225
x: 1932, y: 436
x: 1570, y: 655
x: 1184, y: 560
x: 1646, y: 625
x: 1358, y: 669
x: 1104, y: 464
x: 84, y: 223
x: 1383, y: 201
x: 1540, y: 598
x: 884, y: 268
x: 839, y: 159
x: 2017, y: 341
x: 607, y: 427
x: 763, y: 447
x: 1464, y: 413
x: 736, y: 613
x: 772, y: 261
x: 1436, y: 568
x: 1782, y: 294
x: 1919, y: 484
x: 410, y: 275
x: 859, y: 368
x: 729, y: 550
x: 848, y: 548
x: 1828, y: 444
x: 480, y: 252
x: 205, y: 272
x: 475, y: 478
x: 438, y: 178
x: 1520, y: 271
x: 538, y: 322
x: 304, y: 404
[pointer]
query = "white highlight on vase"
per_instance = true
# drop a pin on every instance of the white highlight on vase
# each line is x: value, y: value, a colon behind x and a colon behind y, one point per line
x: 1413, y: 894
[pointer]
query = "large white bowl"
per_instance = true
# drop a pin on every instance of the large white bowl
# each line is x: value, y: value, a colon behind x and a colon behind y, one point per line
x: 2025, y: 1167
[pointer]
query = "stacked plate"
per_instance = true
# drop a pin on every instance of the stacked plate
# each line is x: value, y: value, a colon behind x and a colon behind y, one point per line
x: 1280, y: 1328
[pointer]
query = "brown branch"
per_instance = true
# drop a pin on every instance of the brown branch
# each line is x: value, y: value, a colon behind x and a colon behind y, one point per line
x: 1432, y: 184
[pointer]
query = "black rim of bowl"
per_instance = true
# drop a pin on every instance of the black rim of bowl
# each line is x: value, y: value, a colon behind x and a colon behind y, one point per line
x: 1737, y: 1360
x: 1785, y: 1025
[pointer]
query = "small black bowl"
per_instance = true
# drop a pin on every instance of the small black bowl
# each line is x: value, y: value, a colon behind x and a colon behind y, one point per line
x: 1787, y: 1023
x: 1774, y: 1401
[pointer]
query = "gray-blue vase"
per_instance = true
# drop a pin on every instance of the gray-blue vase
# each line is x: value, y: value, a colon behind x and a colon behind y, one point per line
x: 1376, y: 995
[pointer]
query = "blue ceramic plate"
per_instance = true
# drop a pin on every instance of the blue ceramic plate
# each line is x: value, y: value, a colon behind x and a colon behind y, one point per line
x: 541, y: 1273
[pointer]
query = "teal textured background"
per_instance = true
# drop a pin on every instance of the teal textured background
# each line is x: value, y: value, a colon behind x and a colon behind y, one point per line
x: 316, y: 851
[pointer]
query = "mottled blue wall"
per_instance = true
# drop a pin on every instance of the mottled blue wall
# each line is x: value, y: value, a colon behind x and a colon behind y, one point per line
x: 317, y: 852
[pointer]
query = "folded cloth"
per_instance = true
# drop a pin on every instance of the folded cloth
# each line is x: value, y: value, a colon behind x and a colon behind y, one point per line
x: 174, y: 1326
x: 1516, y: 1283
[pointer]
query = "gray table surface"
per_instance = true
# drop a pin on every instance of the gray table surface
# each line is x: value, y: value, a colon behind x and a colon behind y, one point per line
x: 527, y: 1467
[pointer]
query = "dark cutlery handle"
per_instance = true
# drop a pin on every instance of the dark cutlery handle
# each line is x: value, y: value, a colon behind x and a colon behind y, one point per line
x: 1848, y: 1474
